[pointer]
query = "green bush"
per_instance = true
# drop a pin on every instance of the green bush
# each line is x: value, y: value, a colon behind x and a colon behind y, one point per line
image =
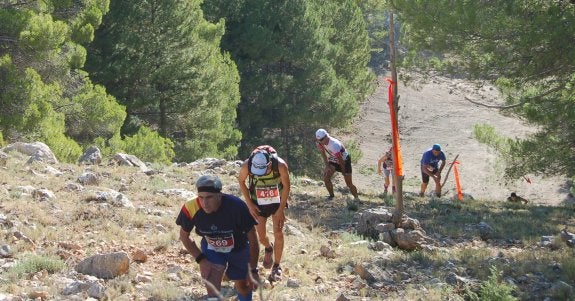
x: 486, y: 134
x: 109, y: 147
x: 354, y: 151
x: 63, y: 147
x: 146, y: 144
x: 149, y: 146
x: 493, y: 289
x: 568, y: 265
x: 36, y: 263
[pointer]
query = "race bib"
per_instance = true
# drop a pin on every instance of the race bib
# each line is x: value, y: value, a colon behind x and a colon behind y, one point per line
x: 223, y: 244
x: 268, y: 195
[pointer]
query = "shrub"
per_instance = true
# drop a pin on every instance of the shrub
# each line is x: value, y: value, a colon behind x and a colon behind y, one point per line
x: 146, y: 144
x: 36, y: 263
x: 149, y: 146
x: 493, y: 289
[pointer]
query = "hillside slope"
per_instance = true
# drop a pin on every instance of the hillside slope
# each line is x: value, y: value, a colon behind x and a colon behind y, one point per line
x: 438, y: 112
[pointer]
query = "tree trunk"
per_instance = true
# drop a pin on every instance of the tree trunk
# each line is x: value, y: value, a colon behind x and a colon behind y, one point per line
x: 163, y: 118
x: 397, y: 180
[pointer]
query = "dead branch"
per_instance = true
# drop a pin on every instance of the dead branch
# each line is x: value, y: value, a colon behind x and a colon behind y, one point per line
x: 501, y: 107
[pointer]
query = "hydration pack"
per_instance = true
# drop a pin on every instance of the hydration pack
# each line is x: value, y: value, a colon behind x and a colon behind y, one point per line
x: 271, y: 155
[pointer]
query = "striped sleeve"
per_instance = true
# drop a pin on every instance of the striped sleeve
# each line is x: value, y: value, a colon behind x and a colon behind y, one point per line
x: 186, y: 217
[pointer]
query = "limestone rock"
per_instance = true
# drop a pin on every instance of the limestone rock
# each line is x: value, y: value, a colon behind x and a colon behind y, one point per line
x: 105, y: 266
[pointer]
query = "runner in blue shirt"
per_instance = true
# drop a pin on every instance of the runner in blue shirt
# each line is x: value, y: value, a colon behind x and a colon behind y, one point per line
x: 430, y: 168
x: 229, y: 241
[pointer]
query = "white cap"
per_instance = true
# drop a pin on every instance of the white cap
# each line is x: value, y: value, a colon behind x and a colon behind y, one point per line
x: 259, y: 164
x: 319, y: 134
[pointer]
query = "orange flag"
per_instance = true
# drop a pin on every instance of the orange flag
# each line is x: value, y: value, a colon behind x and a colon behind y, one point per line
x: 398, y: 166
x: 457, y: 185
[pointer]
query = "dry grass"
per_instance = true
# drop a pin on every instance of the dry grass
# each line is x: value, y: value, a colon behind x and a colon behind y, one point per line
x: 74, y: 216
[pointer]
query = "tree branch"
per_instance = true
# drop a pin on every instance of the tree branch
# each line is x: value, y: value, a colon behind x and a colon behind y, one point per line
x: 501, y: 107
x: 8, y: 39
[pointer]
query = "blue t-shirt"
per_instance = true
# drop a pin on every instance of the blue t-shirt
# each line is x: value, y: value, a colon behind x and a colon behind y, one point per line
x: 429, y: 159
x: 224, y: 230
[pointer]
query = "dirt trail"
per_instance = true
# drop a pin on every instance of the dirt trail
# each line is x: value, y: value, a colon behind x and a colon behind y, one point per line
x: 438, y: 112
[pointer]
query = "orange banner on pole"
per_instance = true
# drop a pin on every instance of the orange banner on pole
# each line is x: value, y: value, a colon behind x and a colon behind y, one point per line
x: 398, y: 166
x: 457, y: 184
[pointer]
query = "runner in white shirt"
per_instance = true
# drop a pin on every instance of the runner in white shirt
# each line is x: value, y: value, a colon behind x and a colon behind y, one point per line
x: 338, y: 160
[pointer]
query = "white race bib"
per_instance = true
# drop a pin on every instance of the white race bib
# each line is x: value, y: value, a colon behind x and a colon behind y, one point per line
x: 268, y: 195
x: 223, y: 244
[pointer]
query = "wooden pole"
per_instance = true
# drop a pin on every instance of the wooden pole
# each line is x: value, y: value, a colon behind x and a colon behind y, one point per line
x: 397, y: 179
x: 448, y: 170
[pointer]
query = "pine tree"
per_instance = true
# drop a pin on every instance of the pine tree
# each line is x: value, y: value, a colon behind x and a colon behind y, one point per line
x: 302, y: 66
x: 526, y: 48
x: 43, y: 88
x: 161, y: 59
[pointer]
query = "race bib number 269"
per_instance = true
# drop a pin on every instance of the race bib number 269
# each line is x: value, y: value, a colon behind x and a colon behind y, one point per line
x: 221, y: 244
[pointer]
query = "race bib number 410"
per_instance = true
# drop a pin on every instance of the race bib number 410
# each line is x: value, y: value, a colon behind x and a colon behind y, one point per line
x: 268, y: 195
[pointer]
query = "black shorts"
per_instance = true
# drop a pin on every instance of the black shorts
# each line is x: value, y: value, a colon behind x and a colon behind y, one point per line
x: 268, y: 210
x: 425, y: 177
x: 347, y: 163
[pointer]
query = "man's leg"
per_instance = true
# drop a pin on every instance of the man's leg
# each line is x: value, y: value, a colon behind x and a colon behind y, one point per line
x: 261, y: 229
x: 212, y: 272
x: 276, y: 273
x: 264, y: 240
x: 238, y: 262
x: 424, y: 181
x: 437, y: 186
x: 243, y: 289
x: 349, y: 183
x: 327, y: 174
x: 278, y: 239
x: 385, y: 181
x: 423, y: 188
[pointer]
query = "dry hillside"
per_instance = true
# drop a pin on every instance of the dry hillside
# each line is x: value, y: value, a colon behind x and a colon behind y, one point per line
x: 54, y: 216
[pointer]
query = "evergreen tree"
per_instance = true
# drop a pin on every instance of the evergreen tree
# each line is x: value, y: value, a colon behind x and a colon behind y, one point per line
x: 161, y: 59
x: 44, y: 92
x: 303, y: 65
x: 523, y: 46
x: 376, y: 16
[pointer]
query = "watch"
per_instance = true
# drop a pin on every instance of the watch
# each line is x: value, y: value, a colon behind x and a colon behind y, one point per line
x: 200, y: 257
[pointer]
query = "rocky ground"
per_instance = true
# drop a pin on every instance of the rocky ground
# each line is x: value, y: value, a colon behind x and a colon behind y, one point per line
x: 107, y: 232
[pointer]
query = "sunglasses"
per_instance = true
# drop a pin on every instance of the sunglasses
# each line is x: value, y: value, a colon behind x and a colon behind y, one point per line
x: 260, y: 166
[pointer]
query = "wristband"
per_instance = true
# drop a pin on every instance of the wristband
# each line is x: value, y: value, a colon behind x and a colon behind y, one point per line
x: 200, y: 257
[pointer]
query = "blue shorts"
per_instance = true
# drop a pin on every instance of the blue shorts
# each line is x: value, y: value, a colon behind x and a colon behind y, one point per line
x: 236, y: 261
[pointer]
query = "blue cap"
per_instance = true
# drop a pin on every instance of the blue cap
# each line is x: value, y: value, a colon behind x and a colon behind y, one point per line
x: 436, y: 147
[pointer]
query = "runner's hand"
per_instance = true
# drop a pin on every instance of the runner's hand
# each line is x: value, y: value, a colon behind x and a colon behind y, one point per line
x: 280, y: 217
x: 253, y: 280
x: 254, y: 211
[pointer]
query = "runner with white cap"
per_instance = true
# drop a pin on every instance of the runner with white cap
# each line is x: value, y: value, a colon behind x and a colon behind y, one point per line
x: 335, y: 158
